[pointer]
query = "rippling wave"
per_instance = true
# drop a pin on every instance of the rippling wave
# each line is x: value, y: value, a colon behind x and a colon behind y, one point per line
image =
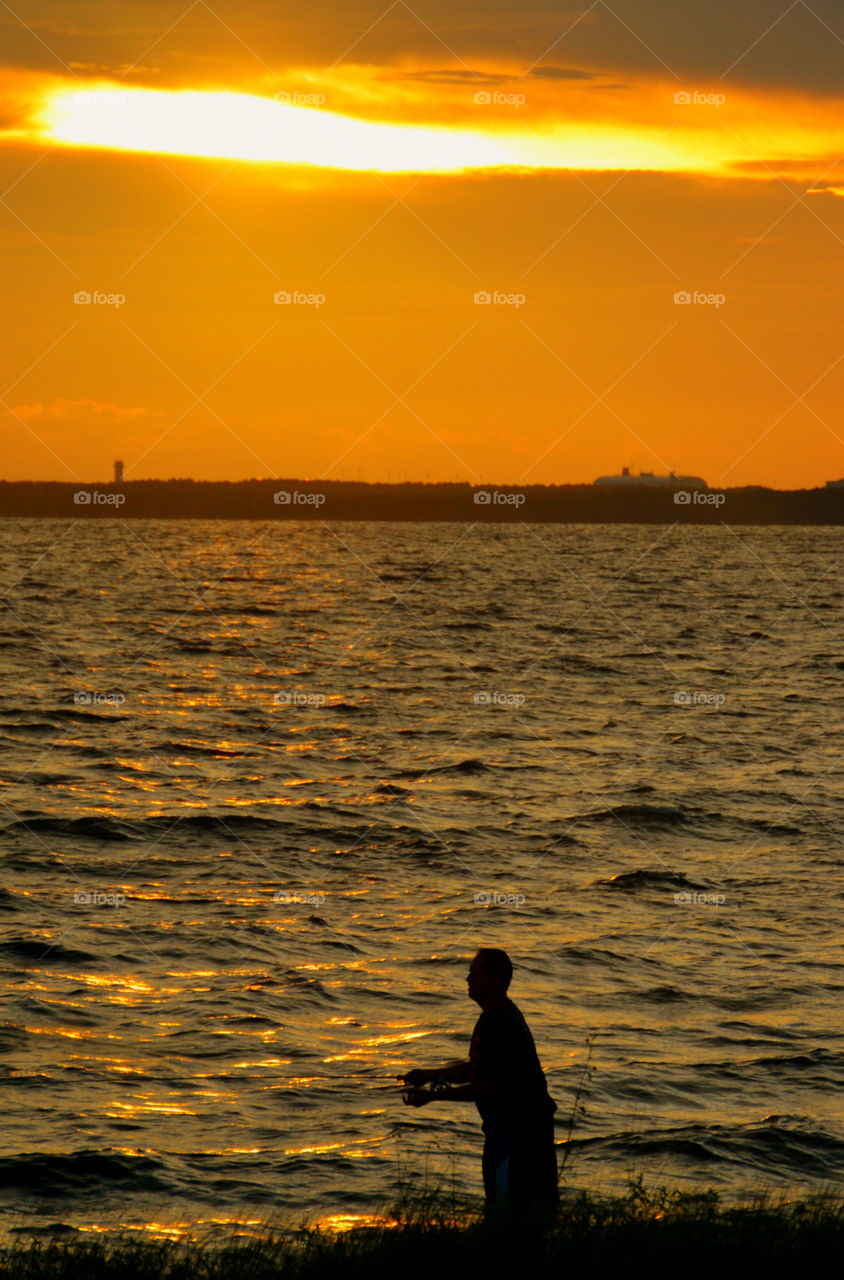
x: 264, y: 790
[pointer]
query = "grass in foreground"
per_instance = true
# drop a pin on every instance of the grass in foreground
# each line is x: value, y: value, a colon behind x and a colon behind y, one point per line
x: 645, y: 1232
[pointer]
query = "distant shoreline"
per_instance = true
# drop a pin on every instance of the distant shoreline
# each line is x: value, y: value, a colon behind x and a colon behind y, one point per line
x: 330, y: 500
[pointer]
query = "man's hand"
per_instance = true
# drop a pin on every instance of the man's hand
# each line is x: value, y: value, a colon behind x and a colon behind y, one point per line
x: 415, y: 1078
x: 417, y: 1097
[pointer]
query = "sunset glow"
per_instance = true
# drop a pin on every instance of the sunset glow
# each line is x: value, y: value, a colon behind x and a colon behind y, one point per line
x: 421, y: 545
x: 581, y: 176
x: 246, y: 127
x: 237, y: 126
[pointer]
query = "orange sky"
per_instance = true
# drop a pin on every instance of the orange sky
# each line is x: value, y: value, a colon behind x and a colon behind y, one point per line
x: 577, y: 192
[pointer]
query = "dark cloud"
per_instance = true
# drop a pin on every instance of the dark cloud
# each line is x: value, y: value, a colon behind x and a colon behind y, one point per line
x: 815, y: 172
x: 451, y: 75
x: 761, y: 42
x: 562, y: 73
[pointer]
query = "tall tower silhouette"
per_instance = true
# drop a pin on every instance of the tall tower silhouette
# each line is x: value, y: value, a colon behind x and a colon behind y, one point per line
x: 118, y: 472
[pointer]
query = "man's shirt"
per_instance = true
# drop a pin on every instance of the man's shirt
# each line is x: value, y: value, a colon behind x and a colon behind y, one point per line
x: 507, y: 1072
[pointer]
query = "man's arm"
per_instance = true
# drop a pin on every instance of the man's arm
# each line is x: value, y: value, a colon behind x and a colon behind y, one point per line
x: 456, y: 1072
x: 463, y: 1093
x: 452, y: 1072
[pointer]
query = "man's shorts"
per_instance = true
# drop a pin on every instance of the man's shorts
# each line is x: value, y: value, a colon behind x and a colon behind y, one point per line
x: 520, y: 1165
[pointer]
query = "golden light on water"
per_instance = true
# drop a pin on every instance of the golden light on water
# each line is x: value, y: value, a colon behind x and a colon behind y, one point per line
x: 175, y: 1231
x: 161, y: 1230
x: 147, y: 1106
x: 344, y: 1146
x: 339, y: 1222
x: 375, y: 1042
x: 68, y: 1034
x: 193, y: 973
x: 262, y: 1062
x: 114, y: 980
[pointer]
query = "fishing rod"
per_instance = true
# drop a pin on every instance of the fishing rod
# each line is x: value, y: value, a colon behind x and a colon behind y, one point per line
x: 351, y: 1075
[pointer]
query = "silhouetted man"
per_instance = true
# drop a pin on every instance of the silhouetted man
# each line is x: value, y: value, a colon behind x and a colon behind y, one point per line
x: 504, y: 1078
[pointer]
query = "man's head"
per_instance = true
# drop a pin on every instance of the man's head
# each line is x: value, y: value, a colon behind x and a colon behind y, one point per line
x: 489, y: 977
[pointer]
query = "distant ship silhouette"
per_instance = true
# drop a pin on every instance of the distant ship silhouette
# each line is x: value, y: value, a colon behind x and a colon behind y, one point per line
x: 647, y: 480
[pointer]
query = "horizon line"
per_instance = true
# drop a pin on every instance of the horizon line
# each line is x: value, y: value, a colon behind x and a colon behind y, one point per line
x: 663, y: 481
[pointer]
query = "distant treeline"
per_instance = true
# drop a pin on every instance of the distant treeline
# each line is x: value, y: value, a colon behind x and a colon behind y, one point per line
x: 348, y: 500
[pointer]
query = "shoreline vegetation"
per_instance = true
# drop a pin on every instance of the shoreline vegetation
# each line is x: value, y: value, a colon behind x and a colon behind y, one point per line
x: 326, y: 500
x: 645, y: 1231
